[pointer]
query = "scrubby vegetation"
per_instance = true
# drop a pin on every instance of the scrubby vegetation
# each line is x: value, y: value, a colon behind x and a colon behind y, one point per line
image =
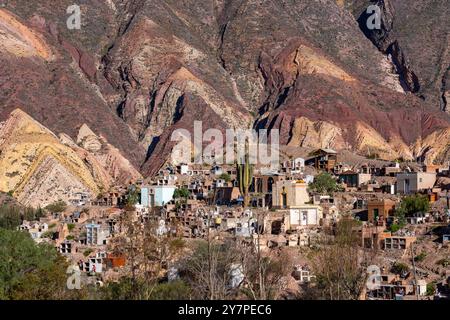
x: 12, y: 215
x: 324, y: 183
x: 29, y: 270
x: 57, y: 207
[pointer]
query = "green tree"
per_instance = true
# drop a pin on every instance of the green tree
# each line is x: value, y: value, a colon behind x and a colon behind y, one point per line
x: 324, y: 183
x: 400, y: 268
x: 181, y: 193
x: 9, y: 217
x: 57, y: 207
x: 133, y: 194
x: 408, y: 206
x: 31, y: 214
x: 413, y: 204
x: 225, y: 176
x: 29, y: 270
x: 431, y: 288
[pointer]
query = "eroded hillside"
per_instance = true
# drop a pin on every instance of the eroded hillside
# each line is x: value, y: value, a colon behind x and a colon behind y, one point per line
x: 137, y: 69
x: 38, y: 167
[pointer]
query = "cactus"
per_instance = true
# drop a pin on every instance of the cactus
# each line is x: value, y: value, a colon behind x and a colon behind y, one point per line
x: 244, y: 175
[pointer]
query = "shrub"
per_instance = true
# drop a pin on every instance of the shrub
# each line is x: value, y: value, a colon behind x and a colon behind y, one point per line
x: 225, y: 176
x: 57, y: 207
x: 325, y: 183
x: 443, y: 262
x: 431, y: 288
x: 182, y: 192
x: 394, y: 227
x: 9, y: 217
x: 30, y: 271
x: 399, y: 268
x: 48, y: 235
x: 420, y: 257
x: 175, y: 290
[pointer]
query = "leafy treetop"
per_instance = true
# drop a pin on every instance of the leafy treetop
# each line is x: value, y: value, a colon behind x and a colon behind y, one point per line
x: 324, y: 183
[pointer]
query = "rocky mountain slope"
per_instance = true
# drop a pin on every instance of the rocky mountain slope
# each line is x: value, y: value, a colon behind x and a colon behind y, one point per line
x: 138, y: 69
x: 38, y: 167
x: 416, y: 35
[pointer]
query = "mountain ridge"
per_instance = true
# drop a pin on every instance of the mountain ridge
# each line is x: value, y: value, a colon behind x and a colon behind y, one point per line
x: 39, y: 167
x: 307, y: 68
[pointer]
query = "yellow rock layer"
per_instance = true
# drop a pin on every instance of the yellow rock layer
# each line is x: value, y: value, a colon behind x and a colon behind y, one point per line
x: 50, y: 182
x: 25, y: 144
x: 319, y: 134
x: 436, y: 146
x: 308, y: 61
x: 20, y: 40
x: 340, y: 3
x: 107, y: 163
x: 370, y: 142
x: 367, y: 141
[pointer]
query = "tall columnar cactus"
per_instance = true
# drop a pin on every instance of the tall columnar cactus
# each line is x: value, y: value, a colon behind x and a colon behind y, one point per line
x: 245, y: 175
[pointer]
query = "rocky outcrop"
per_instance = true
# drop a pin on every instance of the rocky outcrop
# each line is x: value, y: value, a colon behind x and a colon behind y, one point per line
x: 320, y: 112
x: 88, y: 140
x: 83, y: 60
x: 137, y: 70
x: 29, y: 154
x: 386, y: 42
x: 155, y: 64
x: 429, y: 151
x: 19, y: 40
x: 445, y: 91
x: 116, y: 166
x: 39, y: 168
x: 192, y: 108
x: 315, y: 135
x: 56, y: 86
x: 416, y: 36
